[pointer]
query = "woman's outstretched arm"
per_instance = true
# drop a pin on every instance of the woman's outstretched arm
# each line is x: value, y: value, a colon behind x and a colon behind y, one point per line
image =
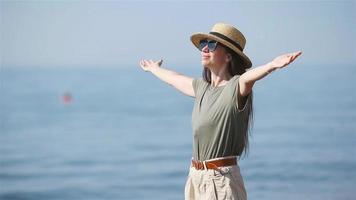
x: 182, y: 83
x: 248, y: 79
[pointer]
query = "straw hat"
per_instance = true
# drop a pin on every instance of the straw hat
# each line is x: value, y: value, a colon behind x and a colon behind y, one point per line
x: 226, y: 35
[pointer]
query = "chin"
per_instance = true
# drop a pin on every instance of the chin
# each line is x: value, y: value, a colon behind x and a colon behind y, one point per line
x: 204, y: 63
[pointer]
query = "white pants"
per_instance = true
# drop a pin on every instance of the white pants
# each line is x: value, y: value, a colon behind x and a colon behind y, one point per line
x: 207, y: 184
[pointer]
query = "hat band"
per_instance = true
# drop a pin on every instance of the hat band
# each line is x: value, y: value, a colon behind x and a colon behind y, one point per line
x: 227, y: 39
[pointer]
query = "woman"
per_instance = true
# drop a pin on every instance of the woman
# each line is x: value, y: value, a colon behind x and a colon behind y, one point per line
x: 222, y: 112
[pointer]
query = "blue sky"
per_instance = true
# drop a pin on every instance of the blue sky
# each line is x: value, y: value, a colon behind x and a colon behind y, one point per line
x: 119, y: 33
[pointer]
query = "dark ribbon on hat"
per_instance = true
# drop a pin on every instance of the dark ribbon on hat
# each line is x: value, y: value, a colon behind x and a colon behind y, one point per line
x: 237, y: 45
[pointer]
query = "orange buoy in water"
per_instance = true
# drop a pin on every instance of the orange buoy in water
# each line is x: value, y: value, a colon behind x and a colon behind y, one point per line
x: 67, y: 98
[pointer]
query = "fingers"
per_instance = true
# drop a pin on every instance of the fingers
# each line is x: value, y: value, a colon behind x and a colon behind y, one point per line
x: 141, y: 63
x: 295, y: 55
x: 144, y: 65
x: 292, y: 56
x: 144, y: 62
x: 298, y: 53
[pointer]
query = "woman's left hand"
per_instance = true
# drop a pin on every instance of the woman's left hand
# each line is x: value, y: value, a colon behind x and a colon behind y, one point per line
x: 284, y: 60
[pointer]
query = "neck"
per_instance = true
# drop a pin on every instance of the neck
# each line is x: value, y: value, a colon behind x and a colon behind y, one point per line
x: 219, y: 76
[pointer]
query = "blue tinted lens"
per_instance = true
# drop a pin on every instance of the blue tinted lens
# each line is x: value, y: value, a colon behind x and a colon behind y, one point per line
x: 212, y: 45
x: 202, y: 44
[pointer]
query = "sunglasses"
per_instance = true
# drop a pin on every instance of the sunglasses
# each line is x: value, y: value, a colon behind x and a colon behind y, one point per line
x: 211, y: 45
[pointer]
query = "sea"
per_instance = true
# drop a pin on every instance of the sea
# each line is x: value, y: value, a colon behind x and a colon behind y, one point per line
x: 105, y: 133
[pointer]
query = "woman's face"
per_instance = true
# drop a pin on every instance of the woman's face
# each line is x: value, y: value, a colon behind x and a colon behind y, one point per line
x: 214, y: 59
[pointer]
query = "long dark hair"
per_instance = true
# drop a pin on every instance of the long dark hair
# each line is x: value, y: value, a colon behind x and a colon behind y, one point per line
x: 236, y: 67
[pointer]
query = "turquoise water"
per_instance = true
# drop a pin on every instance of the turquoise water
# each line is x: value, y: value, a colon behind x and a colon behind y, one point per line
x: 126, y: 135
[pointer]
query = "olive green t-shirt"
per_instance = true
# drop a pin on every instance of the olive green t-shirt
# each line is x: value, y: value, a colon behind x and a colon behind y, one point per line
x: 217, y: 121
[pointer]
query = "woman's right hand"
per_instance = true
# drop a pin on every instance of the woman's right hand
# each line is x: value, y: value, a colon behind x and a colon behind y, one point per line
x: 183, y: 83
x: 148, y: 65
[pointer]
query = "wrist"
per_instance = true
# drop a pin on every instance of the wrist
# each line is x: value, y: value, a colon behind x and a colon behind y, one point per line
x: 152, y: 69
x: 270, y: 67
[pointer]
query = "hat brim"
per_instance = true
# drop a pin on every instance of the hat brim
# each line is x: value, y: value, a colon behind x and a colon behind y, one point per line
x: 196, y: 37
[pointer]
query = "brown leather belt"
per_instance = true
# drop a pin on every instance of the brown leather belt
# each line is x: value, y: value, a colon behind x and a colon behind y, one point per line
x: 214, y: 164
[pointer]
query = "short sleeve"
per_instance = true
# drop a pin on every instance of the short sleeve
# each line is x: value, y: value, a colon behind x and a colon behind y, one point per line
x: 198, y: 86
x: 236, y: 94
